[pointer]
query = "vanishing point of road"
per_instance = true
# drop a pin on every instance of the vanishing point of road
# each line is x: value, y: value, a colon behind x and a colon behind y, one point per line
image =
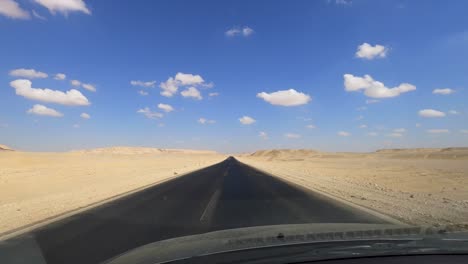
x: 226, y: 195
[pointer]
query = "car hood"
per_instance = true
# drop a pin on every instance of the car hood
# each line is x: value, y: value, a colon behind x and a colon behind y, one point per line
x: 258, y: 237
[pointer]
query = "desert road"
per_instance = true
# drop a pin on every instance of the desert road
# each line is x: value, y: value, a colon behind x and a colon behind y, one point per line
x: 226, y: 195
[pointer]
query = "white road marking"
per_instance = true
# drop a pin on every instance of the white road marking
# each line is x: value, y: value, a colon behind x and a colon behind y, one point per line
x: 208, y: 212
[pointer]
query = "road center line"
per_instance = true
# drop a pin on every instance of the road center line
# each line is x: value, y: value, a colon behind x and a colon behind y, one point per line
x: 208, y: 212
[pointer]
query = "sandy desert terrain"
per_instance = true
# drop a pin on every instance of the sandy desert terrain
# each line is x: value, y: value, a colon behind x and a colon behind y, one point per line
x: 36, y: 186
x: 416, y: 186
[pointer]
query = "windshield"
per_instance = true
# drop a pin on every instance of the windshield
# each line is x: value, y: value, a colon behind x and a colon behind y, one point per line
x: 133, y: 122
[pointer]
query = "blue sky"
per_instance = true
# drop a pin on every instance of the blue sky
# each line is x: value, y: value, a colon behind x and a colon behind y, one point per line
x: 296, y: 68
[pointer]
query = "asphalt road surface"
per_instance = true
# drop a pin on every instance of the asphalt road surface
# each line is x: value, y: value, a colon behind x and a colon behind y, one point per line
x: 226, y: 195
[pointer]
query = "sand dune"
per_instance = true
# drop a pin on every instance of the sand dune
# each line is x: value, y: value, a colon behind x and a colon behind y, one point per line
x: 417, y: 153
x: 36, y: 186
x: 417, y: 186
x: 140, y: 150
x: 5, y: 148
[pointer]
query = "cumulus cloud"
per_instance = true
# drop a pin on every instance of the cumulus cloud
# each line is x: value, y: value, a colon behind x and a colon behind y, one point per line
x: 263, y: 135
x: 44, y: 111
x: 85, y: 116
x: 11, y: 9
x: 60, y: 76
x: 72, y: 97
x: 89, y: 87
x: 237, y: 31
x: 149, y: 114
x: 310, y: 126
x: 75, y: 82
x: 64, y: 6
x: 188, y: 79
x: 363, y: 126
x: 292, y: 135
x: 374, y: 89
x: 204, y: 121
x: 464, y: 131
x: 143, y: 84
x: 28, y: 73
x: 372, y: 134
x: 343, y: 134
x: 213, y: 94
x: 443, y: 91
x: 192, y: 92
x: 399, y: 130
x: 369, y: 52
x: 169, y: 87
x: 454, y: 112
x: 437, y: 131
x: 246, y: 120
x: 143, y: 93
x: 166, y: 108
x: 289, y: 97
x: 431, y: 113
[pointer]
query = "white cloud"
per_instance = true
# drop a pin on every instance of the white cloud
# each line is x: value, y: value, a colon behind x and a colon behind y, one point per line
x: 188, y: 79
x: 374, y: 89
x: 192, y: 92
x: 166, y: 108
x: 369, y: 52
x: 443, y: 91
x: 361, y: 117
x: 89, y: 87
x: 213, y: 94
x: 143, y: 93
x: 246, y: 31
x: 263, y: 135
x: 285, y: 98
x: 454, y: 112
x: 143, y: 84
x: 11, y: 9
x: 399, y: 130
x: 311, y: 126
x: 292, y: 135
x: 204, y: 121
x: 417, y: 125
x: 169, y: 87
x: 343, y: 2
x: 60, y: 76
x: 236, y: 31
x: 28, y: 73
x: 85, y: 116
x: 71, y: 97
x: 36, y: 15
x: 246, y: 120
x: 395, y: 135
x: 149, y: 114
x: 76, y: 126
x: 431, y: 113
x: 64, y: 6
x: 438, y: 131
x: 372, y: 134
x: 363, y: 126
x: 464, y: 131
x: 372, y: 101
x: 44, y: 111
x: 343, y: 134
x: 75, y: 82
